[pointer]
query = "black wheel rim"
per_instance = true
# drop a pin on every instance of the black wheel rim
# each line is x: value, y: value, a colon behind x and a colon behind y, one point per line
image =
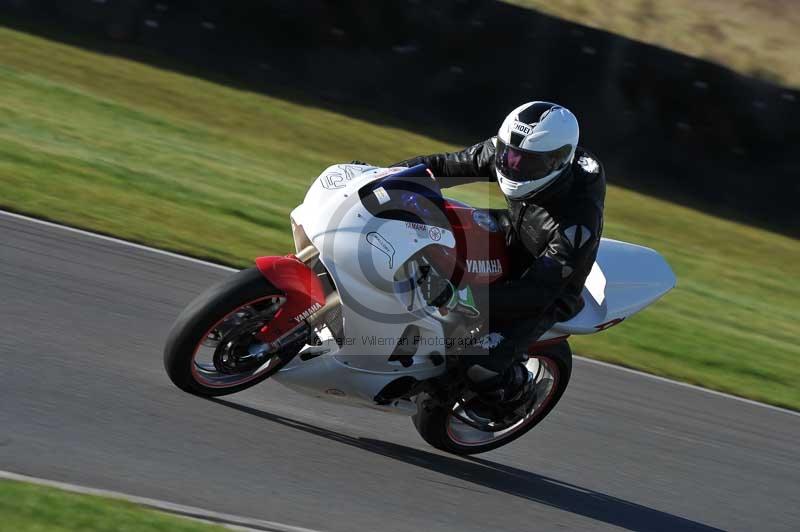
x: 465, y: 430
x: 229, y: 353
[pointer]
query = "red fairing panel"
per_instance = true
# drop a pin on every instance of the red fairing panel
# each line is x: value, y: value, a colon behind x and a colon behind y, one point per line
x: 482, y: 257
x: 302, y: 287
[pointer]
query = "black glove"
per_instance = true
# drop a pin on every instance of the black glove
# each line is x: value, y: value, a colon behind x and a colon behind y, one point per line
x: 437, y: 292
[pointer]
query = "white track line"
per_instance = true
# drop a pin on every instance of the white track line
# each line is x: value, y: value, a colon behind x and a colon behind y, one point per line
x: 228, y: 269
x: 116, y: 241
x: 687, y: 385
x: 230, y: 521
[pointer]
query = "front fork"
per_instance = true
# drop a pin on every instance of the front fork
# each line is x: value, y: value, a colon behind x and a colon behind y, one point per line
x: 306, y: 303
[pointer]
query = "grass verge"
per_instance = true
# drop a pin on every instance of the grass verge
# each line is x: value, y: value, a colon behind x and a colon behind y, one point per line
x: 31, y: 508
x: 172, y: 161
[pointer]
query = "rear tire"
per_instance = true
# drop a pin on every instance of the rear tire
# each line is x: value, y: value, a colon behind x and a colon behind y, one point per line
x: 201, y: 316
x: 432, y: 421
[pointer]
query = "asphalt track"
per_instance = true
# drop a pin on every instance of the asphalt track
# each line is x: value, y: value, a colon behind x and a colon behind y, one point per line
x: 85, y: 400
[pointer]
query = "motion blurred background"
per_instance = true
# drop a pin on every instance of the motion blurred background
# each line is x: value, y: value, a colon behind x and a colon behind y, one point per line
x: 196, y: 127
x: 693, y: 101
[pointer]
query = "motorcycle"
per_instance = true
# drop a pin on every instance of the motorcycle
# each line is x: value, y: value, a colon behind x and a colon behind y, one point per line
x: 344, y: 317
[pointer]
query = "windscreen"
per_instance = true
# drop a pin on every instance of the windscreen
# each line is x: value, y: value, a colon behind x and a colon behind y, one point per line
x: 410, y: 196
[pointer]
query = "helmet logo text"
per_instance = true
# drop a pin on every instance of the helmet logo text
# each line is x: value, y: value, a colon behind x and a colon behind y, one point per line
x: 521, y: 128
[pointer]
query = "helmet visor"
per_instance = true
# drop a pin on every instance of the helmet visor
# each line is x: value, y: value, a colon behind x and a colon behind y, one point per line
x: 524, y: 165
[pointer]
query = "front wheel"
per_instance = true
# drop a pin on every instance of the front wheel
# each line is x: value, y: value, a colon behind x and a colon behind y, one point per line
x: 213, y: 348
x: 451, y: 429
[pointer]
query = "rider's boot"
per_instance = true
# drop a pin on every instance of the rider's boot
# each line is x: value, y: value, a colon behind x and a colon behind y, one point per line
x: 514, y: 389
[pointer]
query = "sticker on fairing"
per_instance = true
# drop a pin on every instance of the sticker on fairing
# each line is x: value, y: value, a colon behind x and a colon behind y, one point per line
x: 308, y: 312
x: 490, y: 266
x: 377, y: 241
x: 382, y: 195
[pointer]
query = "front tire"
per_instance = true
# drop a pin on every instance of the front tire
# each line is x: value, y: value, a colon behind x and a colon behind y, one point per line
x: 223, y: 307
x: 438, y: 425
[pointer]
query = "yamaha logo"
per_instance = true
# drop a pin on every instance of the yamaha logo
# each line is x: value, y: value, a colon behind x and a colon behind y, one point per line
x: 491, y: 266
x: 308, y: 312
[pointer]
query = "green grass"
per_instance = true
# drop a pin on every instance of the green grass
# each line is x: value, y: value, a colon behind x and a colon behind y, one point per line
x: 754, y: 38
x: 183, y: 164
x: 31, y: 508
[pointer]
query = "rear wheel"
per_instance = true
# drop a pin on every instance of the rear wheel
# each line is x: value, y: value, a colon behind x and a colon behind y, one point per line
x: 456, y: 429
x: 213, y: 348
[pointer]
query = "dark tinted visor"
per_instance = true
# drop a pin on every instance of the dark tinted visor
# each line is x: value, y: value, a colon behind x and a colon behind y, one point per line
x: 523, y: 165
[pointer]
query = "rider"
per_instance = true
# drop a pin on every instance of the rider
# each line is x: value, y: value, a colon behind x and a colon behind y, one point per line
x: 555, y: 192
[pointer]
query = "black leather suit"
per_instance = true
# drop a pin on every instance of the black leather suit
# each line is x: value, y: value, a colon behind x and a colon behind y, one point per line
x: 553, y: 239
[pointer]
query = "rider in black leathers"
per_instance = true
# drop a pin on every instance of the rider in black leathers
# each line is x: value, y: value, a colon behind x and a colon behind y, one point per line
x: 553, y: 236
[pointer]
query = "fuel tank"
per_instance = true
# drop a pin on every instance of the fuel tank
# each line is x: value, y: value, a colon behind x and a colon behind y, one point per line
x: 480, y: 255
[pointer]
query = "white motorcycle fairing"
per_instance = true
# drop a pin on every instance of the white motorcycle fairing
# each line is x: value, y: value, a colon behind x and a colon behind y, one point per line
x: 366, y: 257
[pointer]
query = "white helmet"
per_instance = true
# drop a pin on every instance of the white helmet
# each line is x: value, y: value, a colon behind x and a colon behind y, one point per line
x: 535, y: 147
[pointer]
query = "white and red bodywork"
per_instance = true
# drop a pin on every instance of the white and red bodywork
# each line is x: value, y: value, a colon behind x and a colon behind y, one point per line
x: 300, y: 285
x: 371, y: 275
x: 481, y: 255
